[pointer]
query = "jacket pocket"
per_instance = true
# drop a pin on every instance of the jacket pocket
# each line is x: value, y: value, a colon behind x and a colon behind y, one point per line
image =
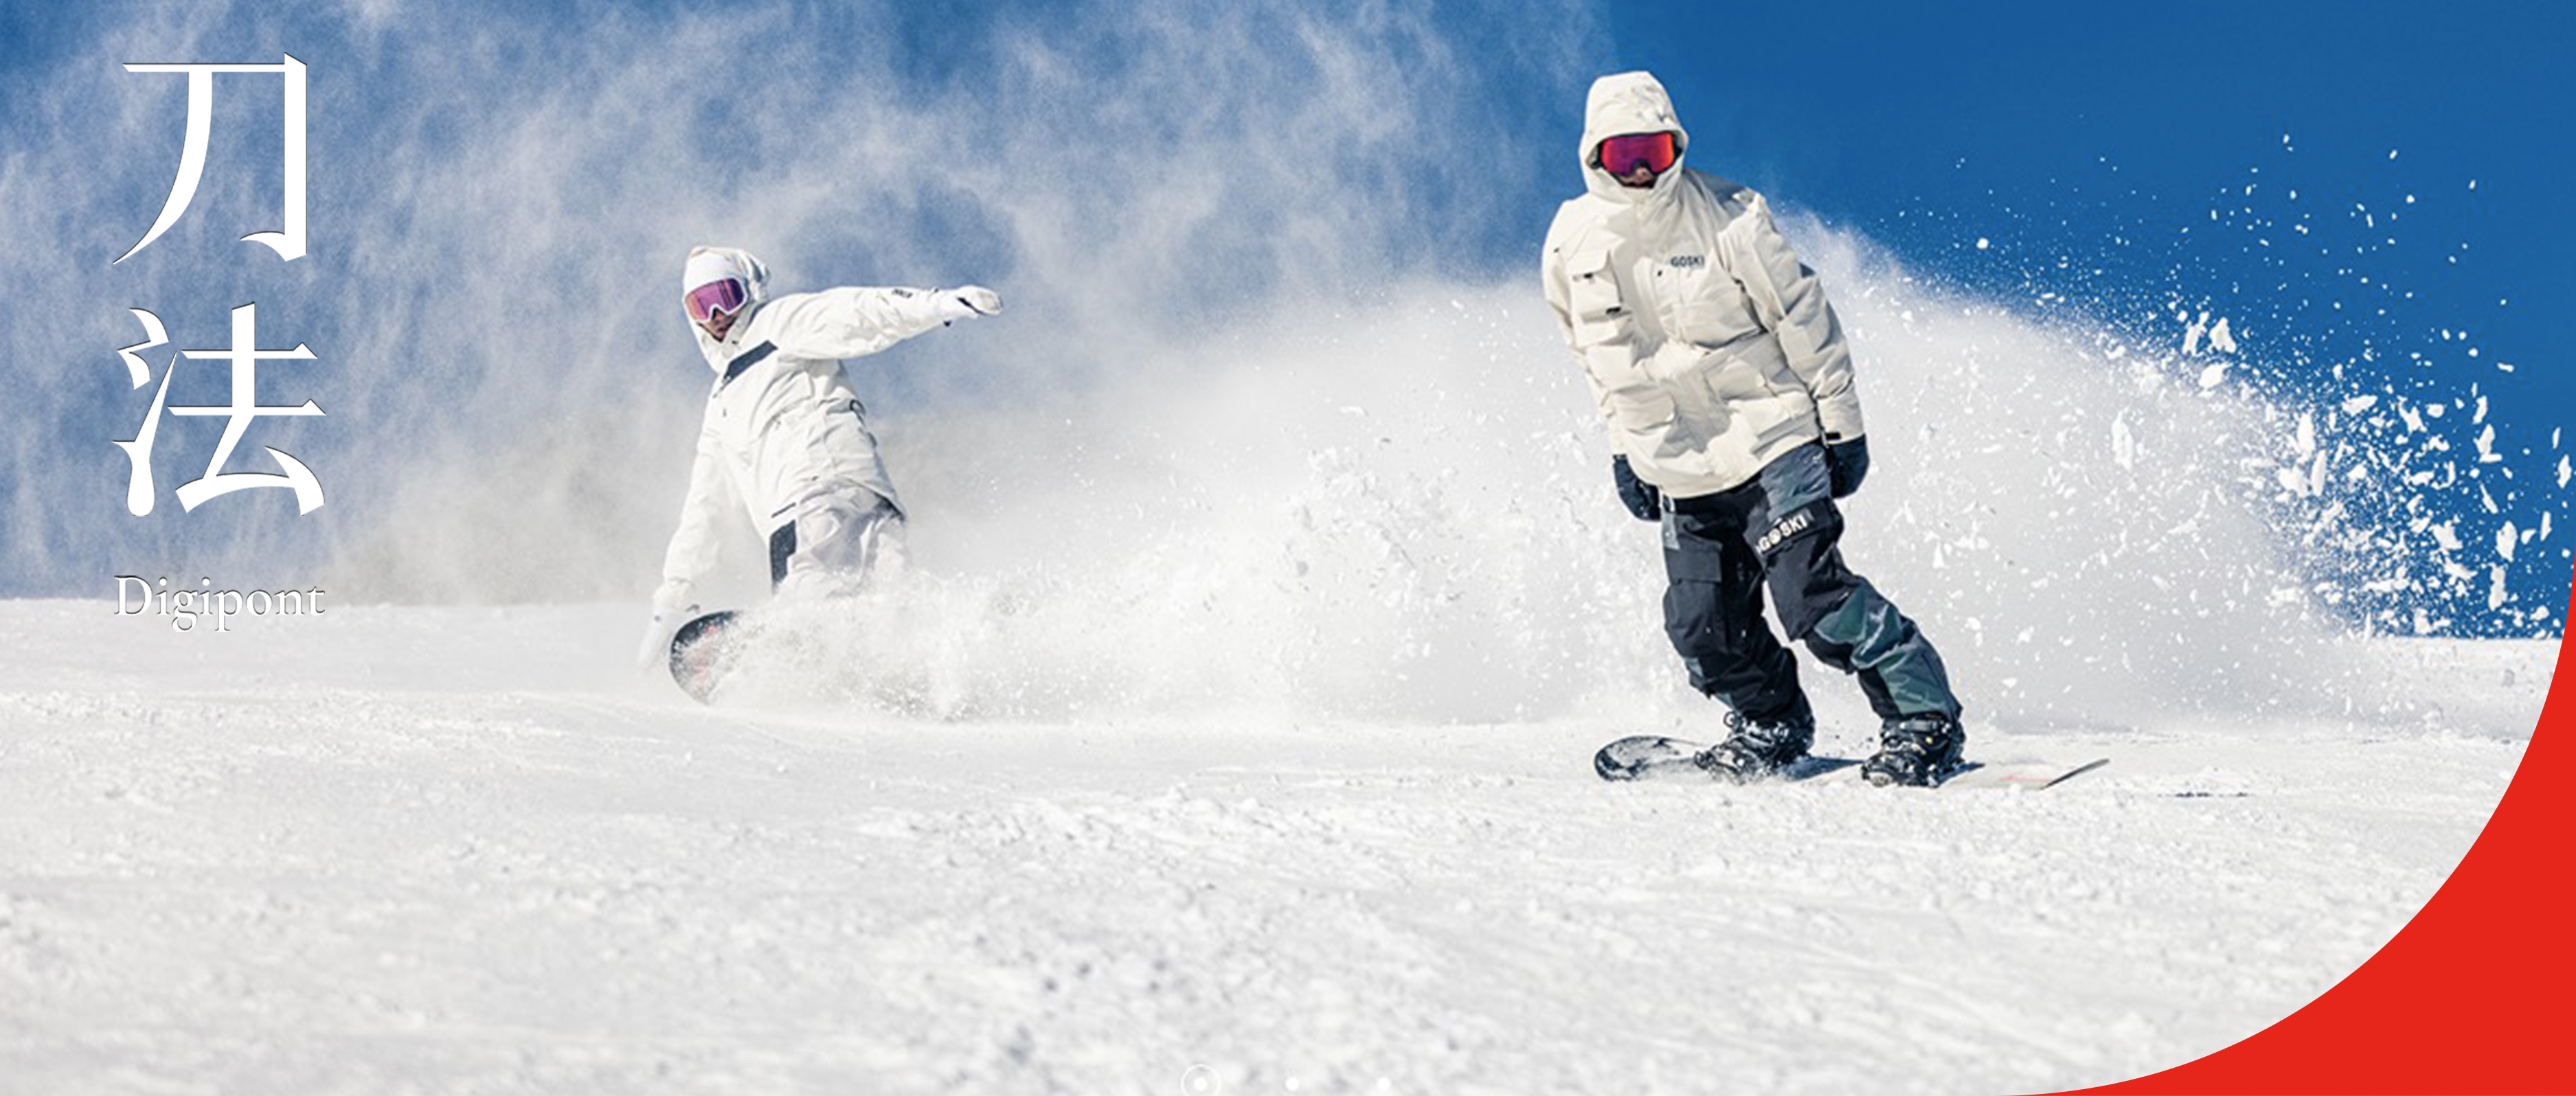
x: 1592, y: 296
x: 1744, y: 381
x: 1770, y: 420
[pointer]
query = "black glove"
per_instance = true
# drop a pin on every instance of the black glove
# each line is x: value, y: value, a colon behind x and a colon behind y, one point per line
x: 1640, y: 496
x: 1846, y: 464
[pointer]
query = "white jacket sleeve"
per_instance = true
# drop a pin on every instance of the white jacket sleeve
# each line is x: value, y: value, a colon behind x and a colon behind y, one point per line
x: 851, y: 321
x: 1790, y: 300
x: 696, y: 546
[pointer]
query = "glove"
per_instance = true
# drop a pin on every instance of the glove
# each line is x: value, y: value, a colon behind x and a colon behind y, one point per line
x: 1640, y: 496
x: 967, y: 302
x: 1846, y: 464
x: 668, y: 616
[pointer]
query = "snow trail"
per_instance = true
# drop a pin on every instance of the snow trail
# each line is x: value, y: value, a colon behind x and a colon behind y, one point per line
x: 1406, y: 513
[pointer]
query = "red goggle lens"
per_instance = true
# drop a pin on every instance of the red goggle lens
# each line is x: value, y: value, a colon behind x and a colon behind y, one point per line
x: 1626, y: 152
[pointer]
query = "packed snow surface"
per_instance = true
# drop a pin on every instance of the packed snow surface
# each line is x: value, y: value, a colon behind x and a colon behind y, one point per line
x: 455, y: 849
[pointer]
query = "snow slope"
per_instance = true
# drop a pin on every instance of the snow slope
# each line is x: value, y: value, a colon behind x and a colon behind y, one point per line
x: 1271, y: 598
x: 448, y: 849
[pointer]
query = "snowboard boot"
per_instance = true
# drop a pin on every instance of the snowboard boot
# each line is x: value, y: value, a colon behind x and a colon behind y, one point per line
x: 1916, y: 750
x: 1753, y: 750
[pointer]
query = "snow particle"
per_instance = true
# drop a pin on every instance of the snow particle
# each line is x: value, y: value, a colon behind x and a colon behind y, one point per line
x: 1983, y: 243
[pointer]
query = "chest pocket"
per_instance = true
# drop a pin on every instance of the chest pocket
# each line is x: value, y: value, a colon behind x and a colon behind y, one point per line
x: 1701, y: 302
x: 1604, y: 326
x: 1592, y: 299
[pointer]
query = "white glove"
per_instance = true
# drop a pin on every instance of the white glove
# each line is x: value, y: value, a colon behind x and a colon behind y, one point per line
x: 967, y: 302
x: 668, y: 616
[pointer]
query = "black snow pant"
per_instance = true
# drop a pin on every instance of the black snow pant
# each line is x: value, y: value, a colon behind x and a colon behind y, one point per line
x: 1782, y: 530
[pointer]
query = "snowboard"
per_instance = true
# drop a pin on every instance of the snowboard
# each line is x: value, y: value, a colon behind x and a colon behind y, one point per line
x: 1656, y: 757
x: 702, y: 652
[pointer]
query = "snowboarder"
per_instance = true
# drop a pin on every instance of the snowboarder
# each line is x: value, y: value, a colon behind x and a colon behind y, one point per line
x: 1728, y: 389
x: 785, y: 441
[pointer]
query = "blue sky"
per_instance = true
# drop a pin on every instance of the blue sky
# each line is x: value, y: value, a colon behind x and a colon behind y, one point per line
x: 2101, y: 131
x: 2098, y: 131
x: 2084, y: 120
x: 2128, y: 161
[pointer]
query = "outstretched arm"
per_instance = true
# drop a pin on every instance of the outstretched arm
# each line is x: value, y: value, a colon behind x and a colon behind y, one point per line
x: 852, y: 321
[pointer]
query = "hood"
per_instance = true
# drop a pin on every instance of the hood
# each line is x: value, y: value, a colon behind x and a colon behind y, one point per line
x: 1628, y: 102
x: 708, y: 264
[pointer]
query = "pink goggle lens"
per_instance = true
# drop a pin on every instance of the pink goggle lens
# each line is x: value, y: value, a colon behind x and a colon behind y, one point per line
x: 705, y: 301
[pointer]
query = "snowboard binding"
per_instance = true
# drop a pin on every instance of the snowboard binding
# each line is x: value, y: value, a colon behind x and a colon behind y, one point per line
x: 1757, y: 750
x: 1917, y: 751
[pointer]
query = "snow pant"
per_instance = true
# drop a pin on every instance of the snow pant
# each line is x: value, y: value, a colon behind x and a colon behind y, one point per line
x: 1782, y: 531
x: 832, y: 542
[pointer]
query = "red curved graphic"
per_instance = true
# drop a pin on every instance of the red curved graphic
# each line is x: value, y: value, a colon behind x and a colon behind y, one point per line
x: 2472, y: 995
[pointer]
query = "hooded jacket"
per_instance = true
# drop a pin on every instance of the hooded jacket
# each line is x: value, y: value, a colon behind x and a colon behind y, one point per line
x: 782, y: 424
x: 1710, y: 347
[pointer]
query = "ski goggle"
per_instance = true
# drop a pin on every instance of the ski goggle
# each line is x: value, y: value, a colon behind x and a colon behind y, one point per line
x: 1628, y: 151
x: 725, y: 296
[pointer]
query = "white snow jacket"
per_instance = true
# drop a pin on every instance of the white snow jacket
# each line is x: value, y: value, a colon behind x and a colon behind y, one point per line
x: 782, y: 425
x: 1710, y: 347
